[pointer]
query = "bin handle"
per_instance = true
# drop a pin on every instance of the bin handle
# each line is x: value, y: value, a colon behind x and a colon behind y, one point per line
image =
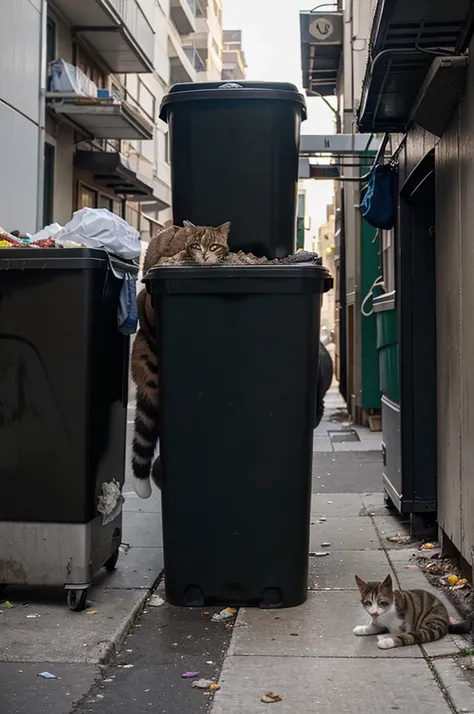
x: 377, y: 283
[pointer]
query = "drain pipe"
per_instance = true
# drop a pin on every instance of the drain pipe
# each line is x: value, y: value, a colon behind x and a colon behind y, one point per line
x: 41, y: 113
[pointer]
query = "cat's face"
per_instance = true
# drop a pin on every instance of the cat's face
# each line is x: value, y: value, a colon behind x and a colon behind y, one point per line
x: 206, y: 245
x: 376, y: 597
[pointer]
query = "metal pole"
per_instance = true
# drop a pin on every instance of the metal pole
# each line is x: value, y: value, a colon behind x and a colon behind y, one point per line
x: 41, y: 114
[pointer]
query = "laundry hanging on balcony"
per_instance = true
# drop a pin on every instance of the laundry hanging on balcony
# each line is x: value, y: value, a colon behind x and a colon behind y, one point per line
x: 379, y: 205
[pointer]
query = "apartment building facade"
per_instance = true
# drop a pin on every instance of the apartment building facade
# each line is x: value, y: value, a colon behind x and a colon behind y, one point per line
x: 97, y: 141
x: 204, y: 46
x: 234, y: 64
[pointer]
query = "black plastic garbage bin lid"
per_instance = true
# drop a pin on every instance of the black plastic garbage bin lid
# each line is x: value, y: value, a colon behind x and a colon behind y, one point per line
x: 238, y: 279
x: 211, y: 91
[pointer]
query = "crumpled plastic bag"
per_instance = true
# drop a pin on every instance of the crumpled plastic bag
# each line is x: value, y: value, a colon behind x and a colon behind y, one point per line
x: 100, y: 228
x: 110, y: 501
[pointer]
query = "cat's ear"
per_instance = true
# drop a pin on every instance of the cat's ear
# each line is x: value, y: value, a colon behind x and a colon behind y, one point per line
x: 188, y: 224
x: 387, y: 583
x: 361, y: 584
x: 224, y: 229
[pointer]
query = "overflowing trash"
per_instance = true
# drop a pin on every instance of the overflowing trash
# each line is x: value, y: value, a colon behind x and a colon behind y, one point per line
x: 96, y: 228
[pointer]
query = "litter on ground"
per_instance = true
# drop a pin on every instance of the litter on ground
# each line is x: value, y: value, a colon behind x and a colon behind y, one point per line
x: 156, y: 601
x: 189, y: 675
x: 271, y: 698
x: 319, y: 553
x: 47, y: 675
x: 399, y: 538
x: 206, y: 684
x: 225, y: 614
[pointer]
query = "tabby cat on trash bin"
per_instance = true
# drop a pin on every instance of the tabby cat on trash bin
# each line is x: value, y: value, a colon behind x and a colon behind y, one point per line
x: 203, y: 245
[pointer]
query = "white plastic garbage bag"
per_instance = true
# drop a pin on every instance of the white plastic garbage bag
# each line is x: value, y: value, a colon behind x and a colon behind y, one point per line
x: 68, y: 79
x: 47, y: 232
x: 100, y: 228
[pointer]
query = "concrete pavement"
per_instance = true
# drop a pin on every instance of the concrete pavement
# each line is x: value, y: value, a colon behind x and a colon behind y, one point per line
x: 308, y: 655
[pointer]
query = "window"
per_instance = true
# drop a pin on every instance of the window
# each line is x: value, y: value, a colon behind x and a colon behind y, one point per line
x: 50, y: 41
x: 90, y: 198
x: 48, y: 196
x: 87, y: 197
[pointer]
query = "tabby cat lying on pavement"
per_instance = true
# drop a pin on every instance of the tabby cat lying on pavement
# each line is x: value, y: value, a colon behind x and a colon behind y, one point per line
x: 403, y: 617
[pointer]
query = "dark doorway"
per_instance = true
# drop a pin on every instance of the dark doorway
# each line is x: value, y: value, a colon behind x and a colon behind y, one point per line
x: 413, y: 488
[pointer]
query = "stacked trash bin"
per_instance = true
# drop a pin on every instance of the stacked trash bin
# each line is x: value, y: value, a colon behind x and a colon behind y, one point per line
x: 238, y: 354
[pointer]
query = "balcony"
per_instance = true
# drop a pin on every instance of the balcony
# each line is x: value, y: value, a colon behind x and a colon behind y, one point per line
x: 183, y: 14
x: 181, y: 66
x: 98, y: 113
x: 100, y: 118
x: 116, y: 30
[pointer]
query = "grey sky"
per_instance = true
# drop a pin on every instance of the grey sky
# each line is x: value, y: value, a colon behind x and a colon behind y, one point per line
x: 271, y: 39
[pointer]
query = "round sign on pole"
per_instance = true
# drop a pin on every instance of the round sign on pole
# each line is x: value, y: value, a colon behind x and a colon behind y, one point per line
x: 321, y: 28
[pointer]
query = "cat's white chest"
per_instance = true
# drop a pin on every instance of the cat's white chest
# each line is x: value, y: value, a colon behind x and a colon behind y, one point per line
x: 392, y: 622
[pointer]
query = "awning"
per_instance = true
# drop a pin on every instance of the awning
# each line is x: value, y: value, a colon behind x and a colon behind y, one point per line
x: 406, y: 37
x: 111, y: 170
x: 101, y: 118
x: 321, y: 49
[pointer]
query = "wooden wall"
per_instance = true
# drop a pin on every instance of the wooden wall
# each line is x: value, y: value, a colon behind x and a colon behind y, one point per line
x: 454, y: 154
x: 455, y: 338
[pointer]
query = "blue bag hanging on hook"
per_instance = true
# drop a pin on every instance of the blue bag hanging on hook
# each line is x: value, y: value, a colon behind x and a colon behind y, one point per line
x: 379, y: 205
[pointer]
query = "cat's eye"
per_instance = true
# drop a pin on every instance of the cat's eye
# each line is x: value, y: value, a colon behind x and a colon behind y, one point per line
x: 367, y: 603
x: 216, y: 247
x: 383, y: 603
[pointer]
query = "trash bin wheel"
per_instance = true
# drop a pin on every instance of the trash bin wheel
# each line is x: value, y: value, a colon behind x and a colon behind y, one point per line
x: 76, y: 599
x: 111, y: 563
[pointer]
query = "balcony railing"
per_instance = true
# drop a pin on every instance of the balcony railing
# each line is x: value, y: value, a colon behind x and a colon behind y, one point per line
x: 117, y: 30
x: 195, y: 58
x: 136, y: 22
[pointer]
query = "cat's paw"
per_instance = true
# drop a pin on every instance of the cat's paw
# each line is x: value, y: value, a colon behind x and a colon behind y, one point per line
x: 142, y: 487
x: 386, y: 643
x: 360, y: 630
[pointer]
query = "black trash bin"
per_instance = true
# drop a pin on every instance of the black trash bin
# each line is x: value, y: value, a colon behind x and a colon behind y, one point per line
x: 238, y: 348
x: 234, y: 151
x: 63, y: 415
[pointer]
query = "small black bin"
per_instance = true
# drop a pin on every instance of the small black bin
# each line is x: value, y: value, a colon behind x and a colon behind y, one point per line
x: 63, y: 383
x: 234, y: 157
x: 238, y: 350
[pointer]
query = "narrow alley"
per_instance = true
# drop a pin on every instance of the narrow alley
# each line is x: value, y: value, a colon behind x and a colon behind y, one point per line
x: 308, y: 655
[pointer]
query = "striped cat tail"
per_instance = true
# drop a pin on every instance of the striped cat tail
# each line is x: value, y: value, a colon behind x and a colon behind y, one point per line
x: 145, y: 438
x: 460, y: 628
